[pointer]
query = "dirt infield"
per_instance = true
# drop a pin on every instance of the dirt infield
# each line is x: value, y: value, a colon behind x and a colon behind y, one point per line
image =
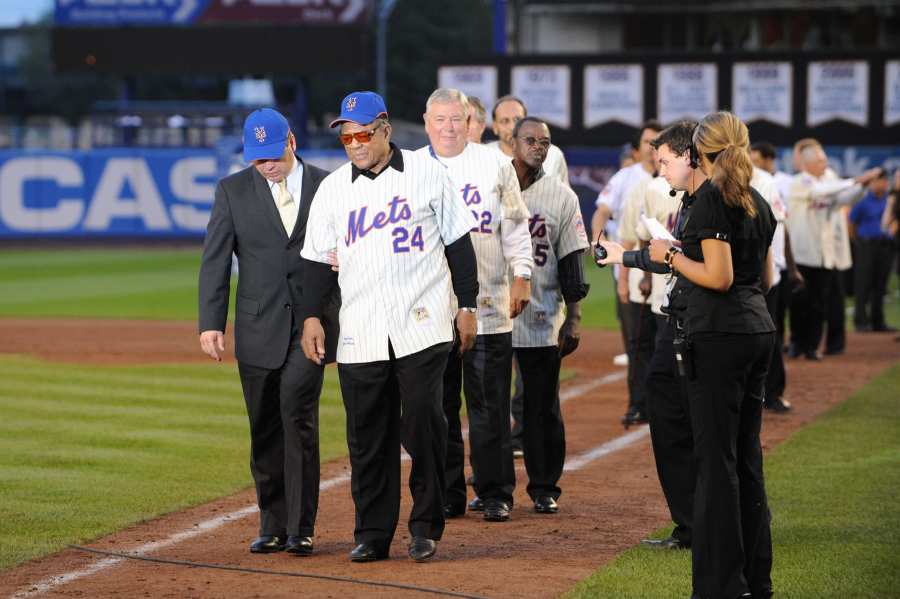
x: 608, y: 504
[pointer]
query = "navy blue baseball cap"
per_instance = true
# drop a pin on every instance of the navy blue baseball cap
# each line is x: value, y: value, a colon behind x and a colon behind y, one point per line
x: 265, y: 135
x: 361, y: 108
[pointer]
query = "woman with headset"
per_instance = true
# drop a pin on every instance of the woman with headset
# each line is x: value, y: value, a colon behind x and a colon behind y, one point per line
x: 723, y: 267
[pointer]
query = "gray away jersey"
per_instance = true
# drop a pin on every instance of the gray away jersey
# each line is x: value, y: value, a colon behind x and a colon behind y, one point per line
x: 389, y: 234
x: 557, y: 230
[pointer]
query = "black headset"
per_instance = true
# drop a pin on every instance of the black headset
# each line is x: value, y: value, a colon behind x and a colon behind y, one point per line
x: 693, y: 154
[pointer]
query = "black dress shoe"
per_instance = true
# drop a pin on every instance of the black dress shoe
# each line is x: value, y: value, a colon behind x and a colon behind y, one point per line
x: 777, y: 405
x: 422, y: 549
x: 667, y: 543
x: 267, y: 544
x: 453, y: 511
x: 476, y: 505
x: 369, y: 552
x: 299, y: 545
x: 546, y: 505
x: 815, y: 356
x: 496, y: 510
x: 633, y: 417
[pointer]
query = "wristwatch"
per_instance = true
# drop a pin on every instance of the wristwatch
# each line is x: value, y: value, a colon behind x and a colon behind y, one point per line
x: 526, y: 277
x: 469, y: 310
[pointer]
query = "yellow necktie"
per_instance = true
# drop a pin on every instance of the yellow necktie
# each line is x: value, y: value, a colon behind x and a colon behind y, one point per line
x: 286, y: 207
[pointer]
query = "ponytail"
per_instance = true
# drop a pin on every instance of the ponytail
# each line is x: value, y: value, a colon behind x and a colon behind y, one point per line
x: 723, y: 141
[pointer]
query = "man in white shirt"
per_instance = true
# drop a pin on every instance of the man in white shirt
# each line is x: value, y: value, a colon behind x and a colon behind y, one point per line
x: 477, y: 120
x: 821, y: 246
x: 487, y: 181
x: 397, y: 227
x: 509, y: 110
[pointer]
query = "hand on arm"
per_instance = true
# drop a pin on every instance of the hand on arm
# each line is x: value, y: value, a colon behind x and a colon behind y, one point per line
x: 715, y: 272
x: 212, y: 343
x: 570, y: 332
x: 312, y: 340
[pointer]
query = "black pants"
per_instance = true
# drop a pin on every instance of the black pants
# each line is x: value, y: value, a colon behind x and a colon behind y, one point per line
x: 483, y: 373
x: 836, y: 313
x: 624, y: 314
x: 283, y: 407
x: 670, y: 432
x: 642, y: 334
x: 388, y: 403
x: 872, y: 269
x: 732, y: 546
x: 808, y: 308
x: 544, y: 435
x: 776, y: 380
x: 515, y: 406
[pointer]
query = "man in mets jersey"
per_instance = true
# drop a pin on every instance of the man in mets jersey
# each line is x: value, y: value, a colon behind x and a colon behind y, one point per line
x: 400, y: 233
x: 548, y: 329
x: 489, y: 189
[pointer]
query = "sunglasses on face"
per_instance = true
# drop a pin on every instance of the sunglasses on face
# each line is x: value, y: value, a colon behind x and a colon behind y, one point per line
x: 530, y: 141
x: 362, y: 137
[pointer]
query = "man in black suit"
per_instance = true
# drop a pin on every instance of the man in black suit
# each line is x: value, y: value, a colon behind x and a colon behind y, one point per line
x: 260, y: 215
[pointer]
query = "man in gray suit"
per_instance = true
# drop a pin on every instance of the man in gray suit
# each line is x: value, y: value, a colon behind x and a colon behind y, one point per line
x: 260, y: 215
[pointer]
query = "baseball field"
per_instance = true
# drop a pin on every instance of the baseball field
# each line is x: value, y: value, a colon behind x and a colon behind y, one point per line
x: 118, y: 435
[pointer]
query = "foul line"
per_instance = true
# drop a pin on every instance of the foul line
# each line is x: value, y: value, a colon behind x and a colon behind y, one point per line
x: 576, y: 463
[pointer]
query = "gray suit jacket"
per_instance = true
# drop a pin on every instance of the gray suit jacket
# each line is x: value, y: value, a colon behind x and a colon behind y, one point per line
x: 245, y: 221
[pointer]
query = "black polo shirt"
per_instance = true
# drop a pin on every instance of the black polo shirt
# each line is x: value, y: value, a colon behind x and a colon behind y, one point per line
x: 741, y: 309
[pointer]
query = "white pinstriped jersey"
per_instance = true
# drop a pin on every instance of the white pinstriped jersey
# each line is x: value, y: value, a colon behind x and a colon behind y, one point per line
x: 554, y: 163
x: 487, y: 182
x: 389, y: 234
x: 557, y: 230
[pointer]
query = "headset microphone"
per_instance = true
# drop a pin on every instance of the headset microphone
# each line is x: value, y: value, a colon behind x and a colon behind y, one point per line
x: 673, y: 193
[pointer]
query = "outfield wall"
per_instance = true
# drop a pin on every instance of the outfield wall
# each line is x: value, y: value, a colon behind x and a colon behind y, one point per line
x: 167, y: 194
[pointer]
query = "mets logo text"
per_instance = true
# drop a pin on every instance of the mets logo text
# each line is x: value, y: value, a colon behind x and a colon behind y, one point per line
x: 351, y: 104
x: 260, y: 134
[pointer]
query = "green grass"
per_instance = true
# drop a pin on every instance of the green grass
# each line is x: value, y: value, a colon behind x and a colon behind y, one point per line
x: 87, y: 450
x: 598, y: 309
x: 835, y: 515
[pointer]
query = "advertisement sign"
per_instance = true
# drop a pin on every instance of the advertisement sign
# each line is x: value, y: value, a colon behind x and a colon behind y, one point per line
x: 686, y: 91
x: 763, y: 91
x: 476, y: 80
x: 545, y: 91
x: 838, y: 90
x: 613, y: 92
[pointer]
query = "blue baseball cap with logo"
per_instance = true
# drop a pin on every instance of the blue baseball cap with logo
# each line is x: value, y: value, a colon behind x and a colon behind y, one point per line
x: 265, y: 135
x: 361, y: 108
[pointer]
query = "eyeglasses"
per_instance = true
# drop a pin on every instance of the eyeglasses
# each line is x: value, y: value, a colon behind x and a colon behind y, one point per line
x: 362, y: 137
x: 530, y: 141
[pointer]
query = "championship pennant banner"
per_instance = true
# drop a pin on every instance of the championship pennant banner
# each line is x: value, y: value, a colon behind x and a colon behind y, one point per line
x: 686, y: 91
x: 477, y: 80
x: 838, y: 90
x: 545, y: 91
x: 763, y: 91
x: 891, y: 93
x: 613, y: 92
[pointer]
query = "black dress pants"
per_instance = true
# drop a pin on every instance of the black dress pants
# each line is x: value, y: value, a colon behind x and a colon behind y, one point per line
x: 732, y: 545
x: 515, y: 406
x: 483, y: 373
x: 872, y: 270
x: 544, y: 435
x: 776, y: 380
x: 836, y: 313
x: 283, y: 407
x: 642, y: 334
x: 808, y: 308
x: 670, y: 431
x: 388, y: 403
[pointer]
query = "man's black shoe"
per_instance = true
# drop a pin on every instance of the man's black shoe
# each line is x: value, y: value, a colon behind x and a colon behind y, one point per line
x: 814, y: 355
x: 883, y: 328
x: 422, y: 549
x: 368, y: 552
x: 545, y: 504
x: 453, y: 511
x: 777, y: 405
x: 836, y: 351
x: 496, y: 510
x: 476, y: 505
x: 793, y: 351
x: 667, y: 543
x: 267, y: 544
x: 298, y: 545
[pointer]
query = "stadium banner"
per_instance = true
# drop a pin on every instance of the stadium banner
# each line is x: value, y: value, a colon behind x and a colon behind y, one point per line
x: 115, y: 193
x: 475, y: 80
x: 891, y: 92
x: 156, y: 13
x: 545, y: 90
x: 838, y: 90
x: 686, y: 91
x: 613, y: 92
x: 763, y: 91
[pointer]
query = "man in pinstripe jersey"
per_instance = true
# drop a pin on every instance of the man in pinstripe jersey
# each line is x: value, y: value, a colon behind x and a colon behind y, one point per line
x: 487, y: 182
x: 548, y: 329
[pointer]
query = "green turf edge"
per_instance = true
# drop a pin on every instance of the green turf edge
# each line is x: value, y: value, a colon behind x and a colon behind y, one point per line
x: 835, y: 516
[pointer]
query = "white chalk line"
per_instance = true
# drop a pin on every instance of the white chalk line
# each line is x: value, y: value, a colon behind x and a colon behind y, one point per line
x: 576, y: 463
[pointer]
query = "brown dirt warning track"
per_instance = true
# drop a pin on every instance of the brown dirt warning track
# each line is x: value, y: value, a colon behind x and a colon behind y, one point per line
x: 611, y: 496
